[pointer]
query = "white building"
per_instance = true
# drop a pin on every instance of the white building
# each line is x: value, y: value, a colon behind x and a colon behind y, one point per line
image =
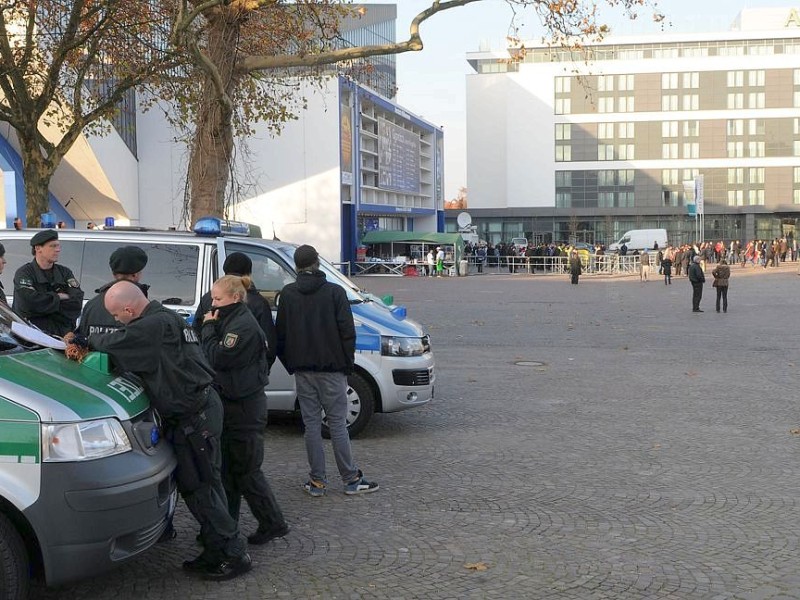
x: 562, y: 148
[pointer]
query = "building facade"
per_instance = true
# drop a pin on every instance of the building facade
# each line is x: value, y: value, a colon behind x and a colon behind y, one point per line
x: 566, y: 145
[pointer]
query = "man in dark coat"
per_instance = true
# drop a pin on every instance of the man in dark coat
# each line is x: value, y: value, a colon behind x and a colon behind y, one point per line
x: 127, y: 263
x: 697, y: 278
x: 46, y: 293
x: 238, y: 263
x: 317, y: 342
x: 159, y: 347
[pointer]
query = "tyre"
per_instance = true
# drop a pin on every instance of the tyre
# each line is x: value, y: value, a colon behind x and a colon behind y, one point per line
x: 13, y: 563
x: 360, y: 406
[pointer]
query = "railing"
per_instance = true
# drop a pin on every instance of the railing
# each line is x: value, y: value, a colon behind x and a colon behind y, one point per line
x: 609, y: 264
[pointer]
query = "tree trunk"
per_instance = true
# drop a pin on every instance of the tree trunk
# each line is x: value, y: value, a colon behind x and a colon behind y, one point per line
x: 212, y: 147
x: 37, y: 171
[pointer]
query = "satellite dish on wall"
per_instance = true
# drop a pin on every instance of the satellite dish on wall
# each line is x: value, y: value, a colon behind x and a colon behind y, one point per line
x: 464, y: 220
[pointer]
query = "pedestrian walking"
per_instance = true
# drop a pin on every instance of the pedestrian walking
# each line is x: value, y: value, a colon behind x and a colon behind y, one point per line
x: 45, y: 292
x: 158, y: 346
x: 3, y: 262
x: 439, y: 261
x: 666, y: 265
x: 644, y: 265
x: 431, y: 259
x: 697, y: 279
x: 722, y: 274
x: 236, y: 347
x: 575, y: 267
x: 316, y: 342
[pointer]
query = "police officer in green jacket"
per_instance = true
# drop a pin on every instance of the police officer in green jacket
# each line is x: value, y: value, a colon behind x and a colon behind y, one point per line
x: 46, y: 293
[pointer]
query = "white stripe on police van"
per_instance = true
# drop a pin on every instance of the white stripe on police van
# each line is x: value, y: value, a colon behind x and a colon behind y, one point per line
x: 6, y: 458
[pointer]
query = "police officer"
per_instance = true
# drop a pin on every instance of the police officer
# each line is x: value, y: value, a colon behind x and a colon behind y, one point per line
x: 2, y: 266
x: 238, y: 263
x: 236, y: 348
x: 158, y: 346
x: 127, y: 263
x: 46, y: 293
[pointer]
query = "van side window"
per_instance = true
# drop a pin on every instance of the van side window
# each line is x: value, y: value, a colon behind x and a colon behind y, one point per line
x: 269, y: 273
x: 18, y: 253
x: 171, y: 270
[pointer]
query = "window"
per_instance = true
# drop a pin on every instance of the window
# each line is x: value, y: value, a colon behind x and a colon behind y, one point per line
x: 625, y: 152
x: 797, y: 76
x: 563, y: 178
x: 605, y: 151
x: 691, y: 102
x: 605, y: 199
x: 756, y: 175
x: 669, y: 129
x: 625, y: 104
x: 796, y: 148
x: 625, y: 83
x: 605, y: 131
x: 605, y: 83
x: 755, y: 78
x: 735, y: 127
x: 691, y: 128
x: 563, y: 153
x: 563, y: 85
x: 606, y: 178
x: 735, y: 149
x: 563, y: 131
x: 757, y: 99
x: 625, y: 176
x: 691, y: 150
x: 736, y: 176
x: 669, y: 81
x: 563, y: 199
x: 669, y: 151
x: 171, y: 269
x: 797, y: 174
x: 627, y: 130
x: 625, y: 199
x: 735, y: 78
x: 796, y: 99
x: 756, y: 149
x: 563, y: 106
x: 797, y: 126
x: 796, y: 196
x: 736, y: 100
x: 756, y: 126
x: 605, y: 104
x: 755, y: 197
x: 669, y: 177
x: 735, y: 198
x: 269, y: 273
x: 669, y: 102
x: 691, y: 80
x: 690, y: 174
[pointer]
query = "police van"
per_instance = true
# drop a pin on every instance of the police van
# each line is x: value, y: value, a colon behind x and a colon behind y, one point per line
x: 85, y: 481
x: 394, y: 363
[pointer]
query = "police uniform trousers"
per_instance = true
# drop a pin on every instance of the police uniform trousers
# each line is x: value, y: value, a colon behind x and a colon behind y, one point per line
x: 200, y: 484
x: 242, y: 457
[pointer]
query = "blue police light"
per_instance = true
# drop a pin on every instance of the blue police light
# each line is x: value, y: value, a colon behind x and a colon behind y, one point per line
x: 155, y: 435
x: 217, y: 226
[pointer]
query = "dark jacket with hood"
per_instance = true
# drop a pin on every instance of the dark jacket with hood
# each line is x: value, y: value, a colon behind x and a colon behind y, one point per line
x: 237, y: 350
x: 315, y: 326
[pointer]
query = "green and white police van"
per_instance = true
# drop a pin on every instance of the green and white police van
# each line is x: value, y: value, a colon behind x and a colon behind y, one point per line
x: 394, y: 363
x: 85, y: 482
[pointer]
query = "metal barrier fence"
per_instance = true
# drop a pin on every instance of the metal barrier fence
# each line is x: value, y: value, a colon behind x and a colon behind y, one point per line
x: 609, y: 264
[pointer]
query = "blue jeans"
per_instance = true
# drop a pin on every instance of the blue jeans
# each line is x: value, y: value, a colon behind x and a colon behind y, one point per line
x: 316, y: 392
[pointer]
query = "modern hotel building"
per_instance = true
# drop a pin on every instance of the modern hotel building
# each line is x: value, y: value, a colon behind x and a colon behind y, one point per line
x: 588, y: 144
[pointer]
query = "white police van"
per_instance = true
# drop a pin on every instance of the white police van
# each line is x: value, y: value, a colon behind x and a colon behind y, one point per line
x: 394, y: 364
x: 85, y: 482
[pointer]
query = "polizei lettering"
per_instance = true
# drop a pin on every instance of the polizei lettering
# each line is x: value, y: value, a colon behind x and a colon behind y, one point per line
x: 126, y: 388
x: 190, y: 336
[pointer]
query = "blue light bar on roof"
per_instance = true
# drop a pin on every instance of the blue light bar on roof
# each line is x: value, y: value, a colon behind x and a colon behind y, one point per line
x: 217, y: 226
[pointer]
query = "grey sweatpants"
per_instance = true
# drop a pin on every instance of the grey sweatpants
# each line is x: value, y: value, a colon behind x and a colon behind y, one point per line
x: 325, y: 391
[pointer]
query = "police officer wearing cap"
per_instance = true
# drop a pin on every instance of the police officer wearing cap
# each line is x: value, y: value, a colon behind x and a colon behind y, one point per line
x: 46, y: 293
x: 127, y: 263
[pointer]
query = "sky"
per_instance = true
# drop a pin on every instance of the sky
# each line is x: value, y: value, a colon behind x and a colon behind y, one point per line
x: 432, y: 82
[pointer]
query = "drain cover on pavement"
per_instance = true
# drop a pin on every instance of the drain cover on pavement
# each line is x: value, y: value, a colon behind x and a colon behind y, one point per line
x: 529, y: 363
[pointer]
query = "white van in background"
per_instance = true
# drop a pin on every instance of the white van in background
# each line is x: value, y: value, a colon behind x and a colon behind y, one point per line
x: 640, y: 239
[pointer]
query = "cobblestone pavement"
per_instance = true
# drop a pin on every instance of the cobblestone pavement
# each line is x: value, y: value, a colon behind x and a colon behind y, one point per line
x: 591, y: 441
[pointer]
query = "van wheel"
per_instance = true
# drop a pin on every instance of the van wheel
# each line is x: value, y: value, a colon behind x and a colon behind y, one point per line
x: 360, y: 406
x: 13, y: 562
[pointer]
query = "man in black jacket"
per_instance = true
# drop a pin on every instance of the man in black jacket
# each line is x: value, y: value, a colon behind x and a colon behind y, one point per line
x: 126, y: 263
x: 158, y: 346
x: 316, y: 342
x: 239, y: 264
x: 46, y: 293
x: 697, y: 279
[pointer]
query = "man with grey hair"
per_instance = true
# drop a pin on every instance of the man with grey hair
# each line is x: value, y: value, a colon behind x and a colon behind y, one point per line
x: 697, y: 279
x: 317, y: 342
